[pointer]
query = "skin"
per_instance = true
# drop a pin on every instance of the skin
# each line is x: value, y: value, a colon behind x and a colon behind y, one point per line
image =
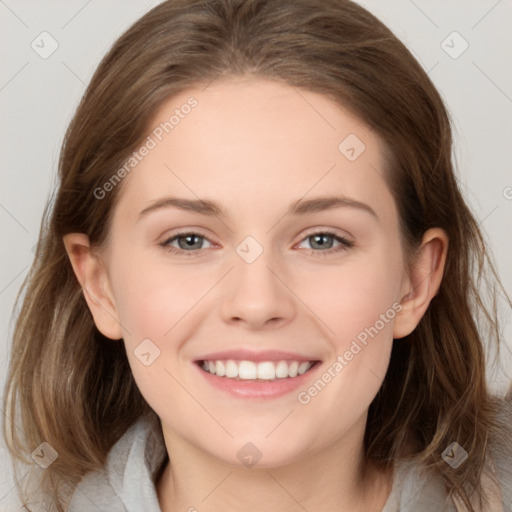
x: 255, y: 146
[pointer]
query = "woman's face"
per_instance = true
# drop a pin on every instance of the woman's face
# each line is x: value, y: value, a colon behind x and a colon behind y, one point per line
x: 266, y: 264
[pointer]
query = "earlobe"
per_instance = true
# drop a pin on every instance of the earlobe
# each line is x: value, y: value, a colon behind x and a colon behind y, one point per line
x: 423, y: 281
x: 93, y: 278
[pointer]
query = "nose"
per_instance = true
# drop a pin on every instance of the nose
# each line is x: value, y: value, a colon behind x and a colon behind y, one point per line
x: 257, y: 294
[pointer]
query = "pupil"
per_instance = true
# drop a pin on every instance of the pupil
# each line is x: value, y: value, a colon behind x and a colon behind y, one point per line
x: 318, y: 240
x: 189, y: 240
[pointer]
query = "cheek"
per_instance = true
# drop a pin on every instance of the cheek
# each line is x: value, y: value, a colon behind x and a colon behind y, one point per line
x: 155, y: 304
x: 152, y: 298
x: 358, y: 304
x: 352, y: 297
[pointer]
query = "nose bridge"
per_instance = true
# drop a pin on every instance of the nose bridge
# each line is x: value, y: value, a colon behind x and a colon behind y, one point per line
x: 256, y: 293
x: 256, y: 275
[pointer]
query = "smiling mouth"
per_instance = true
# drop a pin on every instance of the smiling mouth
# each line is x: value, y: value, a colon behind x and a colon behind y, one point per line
x: 263, y: 371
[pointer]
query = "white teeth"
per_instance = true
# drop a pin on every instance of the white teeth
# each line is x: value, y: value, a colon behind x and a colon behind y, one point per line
x: 249, y: 370
x: 292, y: 369
x: 303, y: 367
x: 220, y: 368
x: 231, y: 369
x: 266, y: 370
x: 281, y: 370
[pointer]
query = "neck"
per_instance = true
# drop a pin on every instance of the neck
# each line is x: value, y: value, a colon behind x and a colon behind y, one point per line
x: 332, y: 479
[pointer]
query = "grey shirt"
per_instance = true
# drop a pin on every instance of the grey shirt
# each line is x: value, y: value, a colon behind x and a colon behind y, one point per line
x: 126, y: 483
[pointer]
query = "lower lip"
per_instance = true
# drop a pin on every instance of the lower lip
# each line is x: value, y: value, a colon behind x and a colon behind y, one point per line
x: 253, y: 389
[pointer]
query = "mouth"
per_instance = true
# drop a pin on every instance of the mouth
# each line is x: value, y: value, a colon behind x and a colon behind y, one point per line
x: 256, y: 371
x: 257, y: 375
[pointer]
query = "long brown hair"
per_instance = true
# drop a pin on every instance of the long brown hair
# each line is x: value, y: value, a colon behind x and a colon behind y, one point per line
x: 73, y: 388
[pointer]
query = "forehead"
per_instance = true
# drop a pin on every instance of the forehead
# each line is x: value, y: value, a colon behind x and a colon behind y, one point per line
x: 253, y: 144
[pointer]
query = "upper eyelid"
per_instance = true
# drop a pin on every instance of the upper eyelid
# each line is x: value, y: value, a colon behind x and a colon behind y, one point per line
x: 332, y: 231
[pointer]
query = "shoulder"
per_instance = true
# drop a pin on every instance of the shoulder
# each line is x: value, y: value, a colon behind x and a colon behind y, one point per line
x: 417, y: 490
x: 496, y: 479
x: 499, y: 474
x: 94, y: 493
x: 126, y: 479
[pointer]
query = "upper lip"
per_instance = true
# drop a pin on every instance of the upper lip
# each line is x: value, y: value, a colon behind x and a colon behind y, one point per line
x: 250, y: 355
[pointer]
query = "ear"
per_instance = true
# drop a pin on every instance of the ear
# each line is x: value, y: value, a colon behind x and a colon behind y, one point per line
x: 93, y: 278
x: 422, y: 282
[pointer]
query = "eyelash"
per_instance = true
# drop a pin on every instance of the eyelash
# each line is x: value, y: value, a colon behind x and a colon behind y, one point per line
x: 345, y: 243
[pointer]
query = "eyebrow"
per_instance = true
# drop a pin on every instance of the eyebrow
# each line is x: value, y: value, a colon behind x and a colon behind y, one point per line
x: 300, y: 207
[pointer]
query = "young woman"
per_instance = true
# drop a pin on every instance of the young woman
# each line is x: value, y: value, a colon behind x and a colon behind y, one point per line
x: 258, y: 285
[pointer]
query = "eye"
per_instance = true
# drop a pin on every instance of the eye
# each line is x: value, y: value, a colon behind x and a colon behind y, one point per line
x: 323, y: 242
x: 188, y: 242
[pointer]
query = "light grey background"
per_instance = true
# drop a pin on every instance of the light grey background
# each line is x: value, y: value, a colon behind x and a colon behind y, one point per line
x: 38, y: 97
